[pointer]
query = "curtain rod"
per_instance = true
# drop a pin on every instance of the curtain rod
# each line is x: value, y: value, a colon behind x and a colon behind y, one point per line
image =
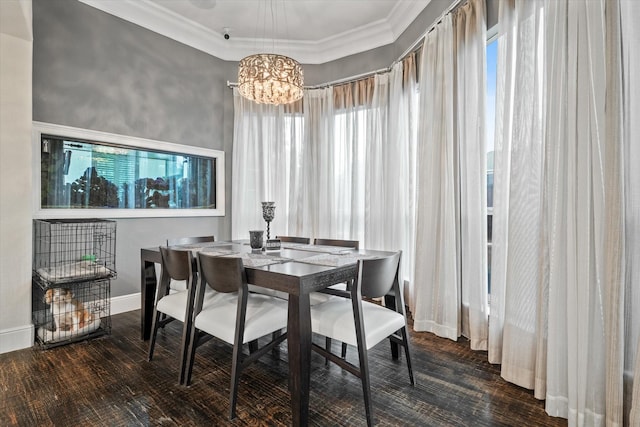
x: 414, y: 47
x: 456, y: 4
x: 420, y: 41
x: 350, y: 78
x: 334, y: 82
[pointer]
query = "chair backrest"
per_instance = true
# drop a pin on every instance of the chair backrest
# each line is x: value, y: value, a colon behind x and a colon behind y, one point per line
x: 377, y: 276
x: 292, y: 239
x: 335, y: 242
x: 177, y: 264
x: 223, y: 274
x: 188, y: 240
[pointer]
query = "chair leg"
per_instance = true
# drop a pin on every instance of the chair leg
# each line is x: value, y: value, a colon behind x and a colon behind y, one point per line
x: 184, y: 350
x: 366, y: 384
x: 407, y: 353
x: 390, y: 302
x: 344, y: 350
x: 236, y: 364
x: 327, y: 346
x: 236, y: 368
x: 191, y: 355
x: 154, y: 332
x: 274, y: 336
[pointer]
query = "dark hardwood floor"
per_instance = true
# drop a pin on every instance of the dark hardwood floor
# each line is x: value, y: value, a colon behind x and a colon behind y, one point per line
x: 107, y: 381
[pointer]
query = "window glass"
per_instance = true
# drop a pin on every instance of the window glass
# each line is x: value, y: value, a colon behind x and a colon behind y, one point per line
x: 492, y: 62
x: 77, y: 174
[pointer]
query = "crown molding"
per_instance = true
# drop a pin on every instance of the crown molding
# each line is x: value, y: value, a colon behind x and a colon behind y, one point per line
x: 162, y: 21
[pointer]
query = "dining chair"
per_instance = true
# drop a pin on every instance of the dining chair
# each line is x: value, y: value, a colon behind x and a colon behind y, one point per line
x: 293, y: 239
x: 181, y: 285
x: 176, y: 265
x: 364, y: 324
x: 354, y: 244
x: 237, y: 317
x: 339, y: 287
x: 189, y: 240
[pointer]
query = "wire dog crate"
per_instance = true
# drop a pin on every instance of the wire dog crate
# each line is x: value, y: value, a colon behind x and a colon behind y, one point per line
x: 74, y: 261
x: 71, y: 312
x: 71, y: 250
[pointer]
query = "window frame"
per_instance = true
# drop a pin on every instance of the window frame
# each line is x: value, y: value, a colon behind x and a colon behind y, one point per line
x: 49, y: 129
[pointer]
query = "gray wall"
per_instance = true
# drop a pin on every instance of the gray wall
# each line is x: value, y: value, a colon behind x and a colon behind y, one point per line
x: 95, y: 71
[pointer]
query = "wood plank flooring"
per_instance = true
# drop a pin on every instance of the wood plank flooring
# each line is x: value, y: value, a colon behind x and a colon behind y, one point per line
x: 108, y: 382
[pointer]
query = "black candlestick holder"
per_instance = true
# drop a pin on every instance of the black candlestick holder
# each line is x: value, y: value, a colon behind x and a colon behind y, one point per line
x: 268, y: 212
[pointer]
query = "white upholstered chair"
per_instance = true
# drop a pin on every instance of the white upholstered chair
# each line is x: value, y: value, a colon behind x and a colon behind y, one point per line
x: 181, y: 285
x: 236, y: 316
x: 340, y: 287
x: 364, y: 324
x: 177, y: 265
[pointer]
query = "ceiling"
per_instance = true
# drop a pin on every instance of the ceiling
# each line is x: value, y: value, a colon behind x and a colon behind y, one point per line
x: 311, y: 31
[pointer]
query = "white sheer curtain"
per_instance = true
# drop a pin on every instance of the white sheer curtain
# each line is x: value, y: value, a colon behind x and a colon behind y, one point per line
x: 344, y: 169
x: 451, y: 242
x: 630, y: 16
x: 360, y: 157
x: 574, y: 210
x: 561, y: 315
x: 266, y: 143
x: 518, y: 164
x: 390, y: 165
x: 336, y: 125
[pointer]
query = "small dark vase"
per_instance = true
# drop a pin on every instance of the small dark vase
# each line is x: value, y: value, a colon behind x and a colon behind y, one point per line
x: 256, y: 239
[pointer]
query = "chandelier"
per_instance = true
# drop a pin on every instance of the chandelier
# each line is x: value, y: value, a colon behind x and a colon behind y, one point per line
x: 268, y: 78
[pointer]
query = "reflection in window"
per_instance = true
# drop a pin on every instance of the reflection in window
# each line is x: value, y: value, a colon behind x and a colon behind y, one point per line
x: 79, y: 174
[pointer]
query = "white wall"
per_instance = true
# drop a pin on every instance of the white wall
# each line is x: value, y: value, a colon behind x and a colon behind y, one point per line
x: 16, y: 43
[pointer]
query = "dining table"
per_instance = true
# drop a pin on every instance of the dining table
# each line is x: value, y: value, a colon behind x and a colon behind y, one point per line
x: 296, y: 269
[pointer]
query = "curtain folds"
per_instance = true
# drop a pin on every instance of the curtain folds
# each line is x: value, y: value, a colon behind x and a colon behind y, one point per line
x: 437, y: 291
x: 564, y: 220
x: 259, y: 171
x: 390, y: 167
x: 516, y: 288
x: 574, y: 204
x: 470, y: 41
x: 337, y: 135
x: 630, y: 30
x: 451, y: 239
x: 340, y: 166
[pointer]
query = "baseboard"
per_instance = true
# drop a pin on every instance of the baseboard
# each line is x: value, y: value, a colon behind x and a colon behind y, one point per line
x: 125, y: 303
x: 16, y: 338
x: 23, y: 336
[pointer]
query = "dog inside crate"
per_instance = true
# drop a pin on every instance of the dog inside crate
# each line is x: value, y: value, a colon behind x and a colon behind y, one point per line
x: 70, y: 312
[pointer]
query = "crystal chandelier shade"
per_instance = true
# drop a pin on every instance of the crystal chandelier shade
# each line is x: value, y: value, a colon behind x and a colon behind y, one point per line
x: 268, y: 78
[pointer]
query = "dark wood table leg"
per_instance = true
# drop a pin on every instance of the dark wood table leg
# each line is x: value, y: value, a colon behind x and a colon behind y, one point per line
x: 149, y: 283
x: 299, y: 344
